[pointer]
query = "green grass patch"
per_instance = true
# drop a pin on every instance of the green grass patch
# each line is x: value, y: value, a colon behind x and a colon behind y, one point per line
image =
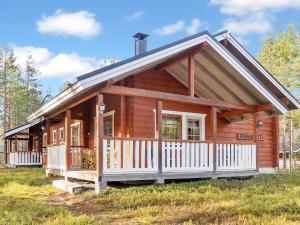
x: 26, y: 197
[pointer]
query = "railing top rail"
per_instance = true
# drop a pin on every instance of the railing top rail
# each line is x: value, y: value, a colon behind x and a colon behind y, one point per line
x: 131, y: 138
x: 236, y: 142
x: 76, y: 146
x: 26, y: 152
x: 189, y: 141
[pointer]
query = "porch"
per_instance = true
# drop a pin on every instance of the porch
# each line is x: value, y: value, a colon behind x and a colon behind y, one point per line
x: 137, y: 159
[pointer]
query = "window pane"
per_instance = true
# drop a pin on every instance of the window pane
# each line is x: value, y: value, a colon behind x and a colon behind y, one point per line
x: 194, y: 129
x: 171, y: 127
x: 108, y: 126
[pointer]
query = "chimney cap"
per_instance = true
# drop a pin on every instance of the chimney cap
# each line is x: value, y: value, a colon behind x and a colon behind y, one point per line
x: 140, y: 36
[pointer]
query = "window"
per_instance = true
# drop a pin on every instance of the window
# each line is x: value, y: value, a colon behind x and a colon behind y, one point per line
x: 108, y: 126
x: 193, y: 129
x: 171, y: 126
x: 182, y: 125
x: 35, y: 144
x: 75, y: 134
x: 61, y: 134
x: 54, y: 137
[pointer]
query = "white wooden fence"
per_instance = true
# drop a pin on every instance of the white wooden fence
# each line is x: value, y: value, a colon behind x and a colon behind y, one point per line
x: 236, y: 157
x: 25, y: 158
x: 56, y: 157
x: 187, y: 156
x: 122, y: 155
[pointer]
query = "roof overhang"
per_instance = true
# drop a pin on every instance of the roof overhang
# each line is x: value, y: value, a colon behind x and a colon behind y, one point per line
x: 149, y: 60
x: 21, y: 128
x: 225, y: 35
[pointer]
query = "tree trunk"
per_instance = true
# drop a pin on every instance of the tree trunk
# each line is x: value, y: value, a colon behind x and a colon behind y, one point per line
x: 291, y: 141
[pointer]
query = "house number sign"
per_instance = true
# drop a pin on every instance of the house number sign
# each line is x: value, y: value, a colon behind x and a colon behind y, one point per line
x: 248, y: 137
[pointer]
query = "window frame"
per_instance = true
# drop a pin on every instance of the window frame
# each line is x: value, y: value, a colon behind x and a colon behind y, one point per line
x: 61, y: 137
x: 112, y: 114
x: 54, y: 136
x: 184, y: 124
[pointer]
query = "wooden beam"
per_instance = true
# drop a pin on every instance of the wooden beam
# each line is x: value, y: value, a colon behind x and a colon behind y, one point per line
x: 182, y: 56
x: 68, y: 139
x: 159, y: 134
x: 213, y: 116
x: 99, y: 130
x: 256, y: 134
x: 118, y: 90
x: 191, y: 75
x: 236, y: 112
x: 270, y: 106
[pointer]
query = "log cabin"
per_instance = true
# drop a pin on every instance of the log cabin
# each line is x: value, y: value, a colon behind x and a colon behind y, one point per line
x: 200, y: 107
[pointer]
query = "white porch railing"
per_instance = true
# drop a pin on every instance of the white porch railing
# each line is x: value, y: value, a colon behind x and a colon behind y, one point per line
x: 186, y: 156
x: 137, y: 155
x: 56, y: 157
x: 25, y: 158
x: 235, y: 157
x: 123, y: 155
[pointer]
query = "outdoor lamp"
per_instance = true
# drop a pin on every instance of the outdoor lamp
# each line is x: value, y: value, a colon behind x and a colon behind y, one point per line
x: 102, y: 107
x: 43, y: 127
x: 259, y: 123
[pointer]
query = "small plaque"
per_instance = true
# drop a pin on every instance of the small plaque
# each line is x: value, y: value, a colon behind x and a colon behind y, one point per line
x: 244, y: 136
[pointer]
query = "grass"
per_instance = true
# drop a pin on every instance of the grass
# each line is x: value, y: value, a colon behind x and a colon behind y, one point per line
x: 26, y: 197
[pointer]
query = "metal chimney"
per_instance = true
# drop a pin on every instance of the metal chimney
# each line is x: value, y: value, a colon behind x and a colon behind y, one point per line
x: 140, y: 43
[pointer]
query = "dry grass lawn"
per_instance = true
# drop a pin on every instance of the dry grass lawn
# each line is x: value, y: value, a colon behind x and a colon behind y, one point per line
x: 26, y: 197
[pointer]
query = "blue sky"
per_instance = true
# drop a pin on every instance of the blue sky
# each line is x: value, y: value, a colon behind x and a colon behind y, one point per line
x: 68, y: 38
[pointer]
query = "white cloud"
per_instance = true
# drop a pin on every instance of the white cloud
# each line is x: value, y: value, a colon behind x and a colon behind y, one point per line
x: 194, y: 27
x: 242, y: 7
x: 170, y: 28
x: 79, y: 24
x: 135, y: 15
x: 66, y: 65
x: 255, y: 23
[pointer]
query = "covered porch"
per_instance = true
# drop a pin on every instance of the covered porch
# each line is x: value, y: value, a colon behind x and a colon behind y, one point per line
x: 23, y: 146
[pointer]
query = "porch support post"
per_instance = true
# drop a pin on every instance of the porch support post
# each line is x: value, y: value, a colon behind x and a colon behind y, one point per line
x: 5, y: 152
x: 68, y: 139
x: 191, y: 75
x: 16, y: 143
x: 100, y: 183
x: 256, y: 134
x: 159, y: 137
x: 213, y: 114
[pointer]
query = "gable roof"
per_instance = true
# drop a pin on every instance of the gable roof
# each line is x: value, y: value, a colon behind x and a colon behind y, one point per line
x: 150, y: 59
x: 225, y: 35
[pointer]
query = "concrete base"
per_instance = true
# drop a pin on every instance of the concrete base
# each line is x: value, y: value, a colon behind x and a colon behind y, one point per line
x: 72, y: 188
x: 100, y: 186
x: 267, y: 170
x: 159, y: 180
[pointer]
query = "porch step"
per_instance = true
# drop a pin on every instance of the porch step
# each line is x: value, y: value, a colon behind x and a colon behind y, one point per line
x: 71, y: 187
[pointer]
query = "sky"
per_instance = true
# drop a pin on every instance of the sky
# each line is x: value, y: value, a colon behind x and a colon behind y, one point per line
x: 70, y: 38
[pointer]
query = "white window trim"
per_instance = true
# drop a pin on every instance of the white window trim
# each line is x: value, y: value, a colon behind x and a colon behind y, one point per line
x: 59, y: 131
x: 54, y: 136
x: 112, y: 114
x: 75, y: 125
x: 185, y: 116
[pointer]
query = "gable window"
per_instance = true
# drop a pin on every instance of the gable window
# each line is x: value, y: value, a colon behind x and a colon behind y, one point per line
x: 54, y: 137
x: 171, y: 126
x: 61, y: 134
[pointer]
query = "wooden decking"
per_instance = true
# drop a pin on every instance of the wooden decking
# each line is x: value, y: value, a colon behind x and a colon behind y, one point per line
x: 91, y: 175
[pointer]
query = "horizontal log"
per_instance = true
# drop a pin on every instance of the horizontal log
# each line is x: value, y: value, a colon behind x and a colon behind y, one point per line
x: 119, y: 90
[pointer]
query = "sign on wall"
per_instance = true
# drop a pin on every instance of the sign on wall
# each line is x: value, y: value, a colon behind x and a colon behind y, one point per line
x: 249, y: 137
